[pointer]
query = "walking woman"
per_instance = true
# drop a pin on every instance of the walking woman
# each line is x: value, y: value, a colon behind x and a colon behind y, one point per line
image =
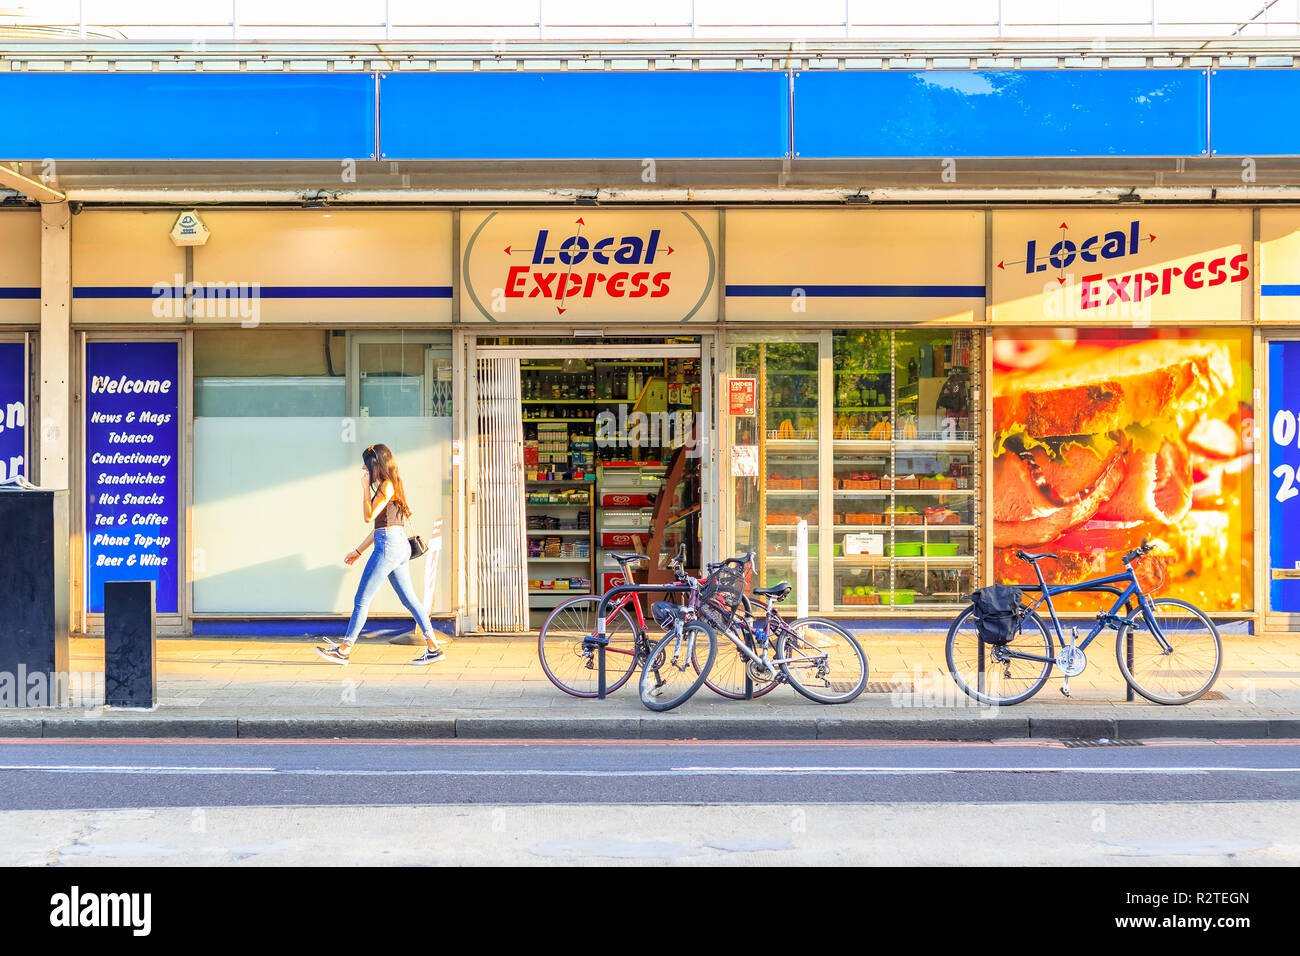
x: 383, y: 501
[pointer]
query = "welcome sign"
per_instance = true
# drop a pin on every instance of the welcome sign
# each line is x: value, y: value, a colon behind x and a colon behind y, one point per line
x: 565, y: 266
x: 132, y: 474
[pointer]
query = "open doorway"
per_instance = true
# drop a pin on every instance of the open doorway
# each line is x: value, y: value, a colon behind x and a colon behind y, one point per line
x: 583, y: 450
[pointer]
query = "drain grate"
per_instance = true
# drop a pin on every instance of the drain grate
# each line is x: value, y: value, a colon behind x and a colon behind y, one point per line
x: 889, y: 687
x: 1214, y: 695
x: 1111, y: 742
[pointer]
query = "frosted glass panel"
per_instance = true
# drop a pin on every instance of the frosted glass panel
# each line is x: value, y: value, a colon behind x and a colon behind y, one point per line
x: 277, y: 506
x: 282, y: 395
x: 391, y: 395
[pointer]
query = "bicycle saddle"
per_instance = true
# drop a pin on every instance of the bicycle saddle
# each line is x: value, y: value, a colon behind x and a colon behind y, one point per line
x: 627, y: 557
x: 777, y: 591
x: 1031, y: 558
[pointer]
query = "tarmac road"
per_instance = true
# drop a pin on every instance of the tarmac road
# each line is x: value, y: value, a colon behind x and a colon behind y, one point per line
x: 565, y: 802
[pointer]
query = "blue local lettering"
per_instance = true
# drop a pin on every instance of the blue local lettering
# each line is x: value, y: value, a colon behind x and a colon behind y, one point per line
x: 1114, y: 245
x: 625, y: 250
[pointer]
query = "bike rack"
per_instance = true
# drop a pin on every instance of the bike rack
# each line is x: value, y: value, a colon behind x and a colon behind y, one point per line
x: 601, y: 636
x: 1128, y: 644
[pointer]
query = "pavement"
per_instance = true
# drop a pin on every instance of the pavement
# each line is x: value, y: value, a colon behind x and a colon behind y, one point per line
x: 494, y: 688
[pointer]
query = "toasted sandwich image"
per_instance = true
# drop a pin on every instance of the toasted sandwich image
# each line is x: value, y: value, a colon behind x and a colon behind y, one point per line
x: 1092, y: 455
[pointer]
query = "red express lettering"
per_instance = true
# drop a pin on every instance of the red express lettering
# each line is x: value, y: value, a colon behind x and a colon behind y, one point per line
x: 1144, y: 285
x: 522, y: 282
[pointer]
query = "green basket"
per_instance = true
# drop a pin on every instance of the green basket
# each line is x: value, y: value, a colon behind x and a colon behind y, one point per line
x: 899, y: 597
x: 907, y: 549
x: 937, y: 549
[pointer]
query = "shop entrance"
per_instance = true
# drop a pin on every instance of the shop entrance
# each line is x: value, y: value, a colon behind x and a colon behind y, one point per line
x: 581, y: 450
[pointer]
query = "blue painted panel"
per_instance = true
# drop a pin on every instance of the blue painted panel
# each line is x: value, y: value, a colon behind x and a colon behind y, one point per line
x: 1284, y: 460
x: 668, y: 115
x: 1000, y: 113
x: 13, y: 409
x: 187, y: 116
x: 1249, y: 112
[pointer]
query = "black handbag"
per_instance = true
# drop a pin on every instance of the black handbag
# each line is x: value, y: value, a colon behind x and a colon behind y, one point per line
x: 418, y: 547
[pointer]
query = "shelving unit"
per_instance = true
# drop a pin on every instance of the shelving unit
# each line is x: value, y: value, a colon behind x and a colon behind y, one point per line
x: 552, y: 568
x: 834, y: 438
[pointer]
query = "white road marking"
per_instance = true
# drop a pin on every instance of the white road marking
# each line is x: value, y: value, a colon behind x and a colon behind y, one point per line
x: 671, y: 772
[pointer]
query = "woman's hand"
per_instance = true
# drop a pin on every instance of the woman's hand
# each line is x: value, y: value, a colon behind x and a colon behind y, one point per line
x: 351, y: 558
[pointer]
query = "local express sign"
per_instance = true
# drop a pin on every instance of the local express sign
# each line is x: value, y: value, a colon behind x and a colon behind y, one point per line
x: 626, y: 266
x: 1094, y: 267
x: 1098, y: 288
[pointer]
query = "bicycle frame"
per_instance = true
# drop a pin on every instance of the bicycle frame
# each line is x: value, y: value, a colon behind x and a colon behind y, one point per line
x: 1109, y: 618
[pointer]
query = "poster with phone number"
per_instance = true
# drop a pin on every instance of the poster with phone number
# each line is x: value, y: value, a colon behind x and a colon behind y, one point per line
x: 1284, y: 480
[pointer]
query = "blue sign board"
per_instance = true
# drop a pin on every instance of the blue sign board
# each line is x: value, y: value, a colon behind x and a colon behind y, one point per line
x: 132, y: 473
x: 13, y: 409
x: 1284, y: 482
x: 638, y: 116
x: 188, y: 116
x: 950, y: 113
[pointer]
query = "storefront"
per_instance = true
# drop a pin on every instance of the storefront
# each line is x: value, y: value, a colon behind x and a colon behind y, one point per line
x: 928, y: 389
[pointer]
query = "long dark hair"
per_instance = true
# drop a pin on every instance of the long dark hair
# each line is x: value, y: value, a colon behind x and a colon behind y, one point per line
x: 381, y: 464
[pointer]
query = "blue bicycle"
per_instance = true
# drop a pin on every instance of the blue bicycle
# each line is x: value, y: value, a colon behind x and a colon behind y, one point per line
x: 1168, y: 650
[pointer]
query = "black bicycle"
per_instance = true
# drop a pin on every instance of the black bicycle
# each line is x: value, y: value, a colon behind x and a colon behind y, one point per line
x: 818, y: 658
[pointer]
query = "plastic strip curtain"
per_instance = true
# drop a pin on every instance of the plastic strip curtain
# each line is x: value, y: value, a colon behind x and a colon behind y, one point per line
x: 503, y: 550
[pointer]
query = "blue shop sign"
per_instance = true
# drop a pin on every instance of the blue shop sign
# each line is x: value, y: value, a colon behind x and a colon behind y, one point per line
x: 1284, y: 482
x: 13, y: 409
x: 132, y: 474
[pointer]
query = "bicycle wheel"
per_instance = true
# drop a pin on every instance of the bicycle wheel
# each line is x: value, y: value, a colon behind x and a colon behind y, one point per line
x: 1002, y: 680
x: 726, y: 677
x: 822, y: 661
x: 571, y: 663
x: 1183, y: 672
x: 669, y: 676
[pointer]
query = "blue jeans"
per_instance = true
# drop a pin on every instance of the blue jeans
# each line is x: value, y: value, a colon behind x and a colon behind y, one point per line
x: 390, y: 558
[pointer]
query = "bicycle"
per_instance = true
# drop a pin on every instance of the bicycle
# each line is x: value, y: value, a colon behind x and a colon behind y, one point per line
x: 1168, y: 650
x: 818, y: 658
x: 566, y: 644
x: 672, y: 674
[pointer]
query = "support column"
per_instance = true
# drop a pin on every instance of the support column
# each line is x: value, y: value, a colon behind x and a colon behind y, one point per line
x: 54, y: 436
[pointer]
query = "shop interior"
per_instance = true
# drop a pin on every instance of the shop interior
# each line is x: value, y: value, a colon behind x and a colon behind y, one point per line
x: 608, y: 467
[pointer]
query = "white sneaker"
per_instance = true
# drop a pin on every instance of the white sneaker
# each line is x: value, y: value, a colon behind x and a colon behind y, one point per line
x: 332, y: 654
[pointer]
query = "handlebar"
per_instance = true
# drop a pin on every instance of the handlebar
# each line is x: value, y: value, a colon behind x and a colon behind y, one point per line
x: 1142, y: 549
x: 744, y: 559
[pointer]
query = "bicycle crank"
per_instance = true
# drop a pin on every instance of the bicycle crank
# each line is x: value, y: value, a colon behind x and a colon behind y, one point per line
x: 760, y: 673
x: 1071, y: 661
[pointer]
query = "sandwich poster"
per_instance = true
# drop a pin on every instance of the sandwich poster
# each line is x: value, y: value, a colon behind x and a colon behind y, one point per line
x: 1103, y: 437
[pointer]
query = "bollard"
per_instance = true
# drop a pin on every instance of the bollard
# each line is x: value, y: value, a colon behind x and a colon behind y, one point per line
x: 130, y: 644
x: 34, y: 595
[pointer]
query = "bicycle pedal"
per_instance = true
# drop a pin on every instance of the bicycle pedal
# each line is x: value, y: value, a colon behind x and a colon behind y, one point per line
x: 1065, y: 691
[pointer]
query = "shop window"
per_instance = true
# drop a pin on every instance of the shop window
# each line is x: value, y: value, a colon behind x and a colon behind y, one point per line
x: 1104, y: 437
x: 280, y: 420
x: 867, y: 435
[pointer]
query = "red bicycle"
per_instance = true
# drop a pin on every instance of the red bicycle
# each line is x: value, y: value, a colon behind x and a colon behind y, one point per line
x: 567, y: 645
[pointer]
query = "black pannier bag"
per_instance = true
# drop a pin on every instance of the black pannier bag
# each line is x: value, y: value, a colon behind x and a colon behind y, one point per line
x: 998, y: 612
